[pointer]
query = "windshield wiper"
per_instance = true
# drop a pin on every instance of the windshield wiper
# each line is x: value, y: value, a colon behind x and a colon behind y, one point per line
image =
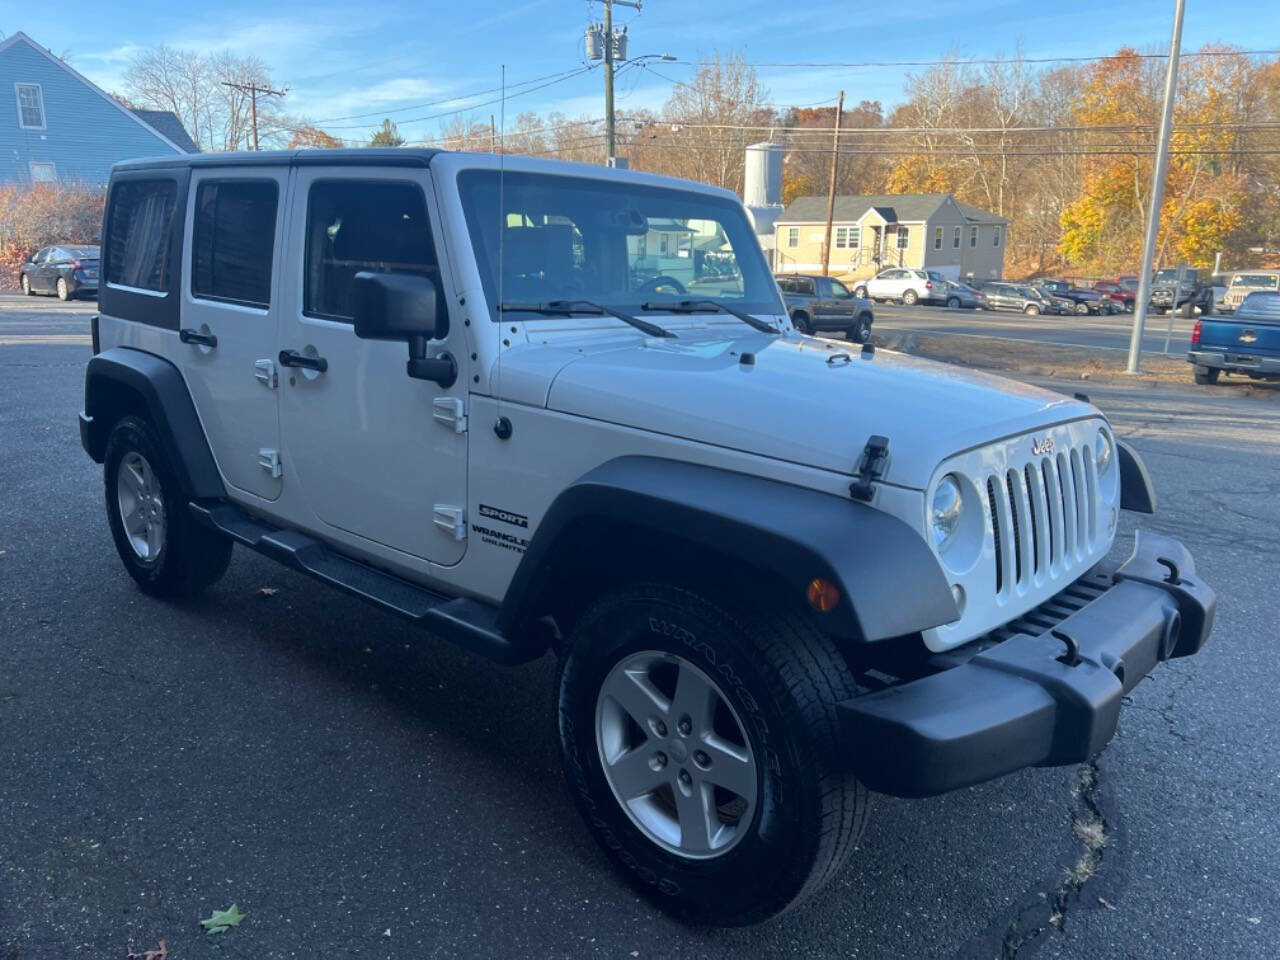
x: 569, y: 308
x: 711, y: 306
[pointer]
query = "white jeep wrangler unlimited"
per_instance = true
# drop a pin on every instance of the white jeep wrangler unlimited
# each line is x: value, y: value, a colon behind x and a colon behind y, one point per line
x: 541, y: 407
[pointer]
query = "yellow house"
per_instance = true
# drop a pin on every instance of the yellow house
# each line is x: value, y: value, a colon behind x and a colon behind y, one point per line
x: 928, y: 231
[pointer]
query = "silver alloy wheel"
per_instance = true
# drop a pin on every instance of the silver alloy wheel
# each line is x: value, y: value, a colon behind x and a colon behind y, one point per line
x: 141, y: 506
x: 62, y: 289
x: 675, y: 754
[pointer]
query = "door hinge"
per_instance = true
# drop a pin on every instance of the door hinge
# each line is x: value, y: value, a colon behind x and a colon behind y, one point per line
x: 450, y: 411
x: 265, y: 373
x: 452, y: 520
x: 269, y: 460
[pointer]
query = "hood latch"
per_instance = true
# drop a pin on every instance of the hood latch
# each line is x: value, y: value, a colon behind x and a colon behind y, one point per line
x: 875, y: 458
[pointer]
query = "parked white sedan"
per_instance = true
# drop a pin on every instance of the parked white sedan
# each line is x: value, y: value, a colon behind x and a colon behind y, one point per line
x: 900, y: 283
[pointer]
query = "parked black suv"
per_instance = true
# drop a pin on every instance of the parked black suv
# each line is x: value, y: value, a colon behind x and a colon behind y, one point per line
x: 816, y: 302
x: 1195, y: 292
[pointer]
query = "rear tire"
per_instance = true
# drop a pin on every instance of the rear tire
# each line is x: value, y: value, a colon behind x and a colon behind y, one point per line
x: 802, y: 323
x: 1082, y: 309
x: 780, y: 681
x: 1206, y: 375
x: 860, y: 292
x: 63, y: 292
x: 165, y: 551
x: 860, y: 332
x: 1188, y: 309
x: 910, y: 298
x: 953, y: 303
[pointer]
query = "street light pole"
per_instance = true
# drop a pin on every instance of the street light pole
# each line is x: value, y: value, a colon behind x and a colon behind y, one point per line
x: 1157, y: 196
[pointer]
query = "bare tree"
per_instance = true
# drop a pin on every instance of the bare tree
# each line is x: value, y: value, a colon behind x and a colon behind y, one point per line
x: 194, y: 87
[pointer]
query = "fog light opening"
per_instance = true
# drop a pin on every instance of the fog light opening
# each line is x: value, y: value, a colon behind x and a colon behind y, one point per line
x: 823, y: 595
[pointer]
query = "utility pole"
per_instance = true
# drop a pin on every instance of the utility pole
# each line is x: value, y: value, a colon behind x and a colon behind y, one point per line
x: 253, y: 89
x: 1157, y: 195
x: 831, y: 188
x: 608, y: 41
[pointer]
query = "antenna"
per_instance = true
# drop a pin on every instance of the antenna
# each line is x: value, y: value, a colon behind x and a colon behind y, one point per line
x: 501, y: 425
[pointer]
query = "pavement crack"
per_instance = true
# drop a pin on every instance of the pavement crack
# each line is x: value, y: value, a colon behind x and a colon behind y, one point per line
x: 1089, y: 826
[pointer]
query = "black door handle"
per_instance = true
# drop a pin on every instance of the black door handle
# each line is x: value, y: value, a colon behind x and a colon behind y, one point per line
x: 195, y: 336
x: 291, y: 358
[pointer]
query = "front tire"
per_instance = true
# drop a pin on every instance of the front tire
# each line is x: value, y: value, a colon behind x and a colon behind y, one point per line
x: 26, y: 286
x: 802, y: 323
x: 1082, y: 309
x: 1031, y: 310
x: 162, y: 547
x: 767, y: 814
x: 953, y: 303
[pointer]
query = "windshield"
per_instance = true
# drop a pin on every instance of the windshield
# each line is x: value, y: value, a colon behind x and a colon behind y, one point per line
x: 612, y: 242
x: 1262, y: 281
x: 83, y: 253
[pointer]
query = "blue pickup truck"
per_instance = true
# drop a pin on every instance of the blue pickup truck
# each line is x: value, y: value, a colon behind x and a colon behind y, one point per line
x: 1246, y: 342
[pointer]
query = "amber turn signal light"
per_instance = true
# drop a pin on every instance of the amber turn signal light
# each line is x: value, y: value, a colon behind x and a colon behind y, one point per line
x: 823, y: 595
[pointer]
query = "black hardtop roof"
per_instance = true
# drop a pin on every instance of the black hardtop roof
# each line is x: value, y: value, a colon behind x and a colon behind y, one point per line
x: 346, y: 156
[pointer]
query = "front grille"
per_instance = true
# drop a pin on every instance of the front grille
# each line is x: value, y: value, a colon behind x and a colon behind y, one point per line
x: 1044, y: 516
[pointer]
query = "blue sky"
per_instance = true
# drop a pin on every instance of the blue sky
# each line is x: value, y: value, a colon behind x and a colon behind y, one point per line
x: 343, y: 60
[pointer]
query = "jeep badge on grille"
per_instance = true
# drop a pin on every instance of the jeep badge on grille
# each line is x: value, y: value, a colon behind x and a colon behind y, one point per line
x: 1042, y: 446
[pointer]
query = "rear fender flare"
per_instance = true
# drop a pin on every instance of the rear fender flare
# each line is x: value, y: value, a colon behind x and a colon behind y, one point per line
x: 121, y: 381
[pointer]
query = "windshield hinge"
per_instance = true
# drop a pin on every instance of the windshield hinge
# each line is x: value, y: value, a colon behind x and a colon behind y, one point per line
x: 452, y: 520
x: 450, y: 411
x: 875, y: 458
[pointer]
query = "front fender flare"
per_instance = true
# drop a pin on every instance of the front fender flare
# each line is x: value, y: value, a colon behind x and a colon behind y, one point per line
x: 890, y: 579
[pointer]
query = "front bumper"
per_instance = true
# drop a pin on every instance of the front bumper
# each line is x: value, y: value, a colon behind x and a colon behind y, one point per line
x: 1243, y: 362
x: 1026, y: 701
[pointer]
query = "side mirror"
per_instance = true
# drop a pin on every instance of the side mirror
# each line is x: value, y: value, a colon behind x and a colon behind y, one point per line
x: 403, y: 307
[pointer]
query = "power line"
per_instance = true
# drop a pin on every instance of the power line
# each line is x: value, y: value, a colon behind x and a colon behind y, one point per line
x: 453, y: 99
x: 989, y: 61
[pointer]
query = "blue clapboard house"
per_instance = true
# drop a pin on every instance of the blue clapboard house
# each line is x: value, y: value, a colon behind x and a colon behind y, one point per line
x: 58, y: 127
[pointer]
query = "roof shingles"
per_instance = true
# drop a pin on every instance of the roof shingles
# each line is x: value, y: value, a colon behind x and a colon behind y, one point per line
x: 895, y: 208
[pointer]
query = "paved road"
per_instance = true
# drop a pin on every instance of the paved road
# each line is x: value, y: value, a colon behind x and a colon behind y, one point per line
x: 1109, y: 333
x: 339, y: 775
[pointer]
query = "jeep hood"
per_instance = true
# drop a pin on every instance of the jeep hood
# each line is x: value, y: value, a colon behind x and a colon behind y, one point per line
x: 803, y: 399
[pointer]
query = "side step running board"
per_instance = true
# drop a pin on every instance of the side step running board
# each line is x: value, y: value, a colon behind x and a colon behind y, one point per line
x: 470, y: 623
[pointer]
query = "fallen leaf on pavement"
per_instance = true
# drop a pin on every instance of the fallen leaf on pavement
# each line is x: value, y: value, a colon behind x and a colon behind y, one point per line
x: 223, y: 920
x: 159, y: 953
x: 268, y: 591
x: 1107, y: 903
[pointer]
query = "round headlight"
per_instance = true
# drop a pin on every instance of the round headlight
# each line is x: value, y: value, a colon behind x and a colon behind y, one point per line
x: 1103, y: 452
x: 944, y: 512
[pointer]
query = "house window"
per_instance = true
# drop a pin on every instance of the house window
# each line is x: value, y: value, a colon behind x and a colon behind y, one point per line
x: 848, y: 238
x: 904, y: 237
x: 937, y: 238
x: 30, y: 106
x: 353, y: 226
x: 139, y: 229
x: 664, y: 244
x: 955, y: 239
x: 234, y: 237
x: 44, y: 173
x: 995, y: 234
x: 973, y: 236
x: 793, y: 236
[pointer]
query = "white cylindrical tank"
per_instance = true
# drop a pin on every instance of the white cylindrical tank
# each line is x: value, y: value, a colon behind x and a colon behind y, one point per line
x: 620, y: 44
x: 762, y: 181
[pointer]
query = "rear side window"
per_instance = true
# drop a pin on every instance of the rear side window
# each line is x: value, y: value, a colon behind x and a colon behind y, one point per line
x: 139, y: 225
x: 233, y: 241
x: 355, y: 225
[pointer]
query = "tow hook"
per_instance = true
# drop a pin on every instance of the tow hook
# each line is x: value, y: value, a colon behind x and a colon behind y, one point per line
x: 1072, y: 657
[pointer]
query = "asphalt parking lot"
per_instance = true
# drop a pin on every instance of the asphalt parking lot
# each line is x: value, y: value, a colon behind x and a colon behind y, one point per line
x: 360, y: 789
